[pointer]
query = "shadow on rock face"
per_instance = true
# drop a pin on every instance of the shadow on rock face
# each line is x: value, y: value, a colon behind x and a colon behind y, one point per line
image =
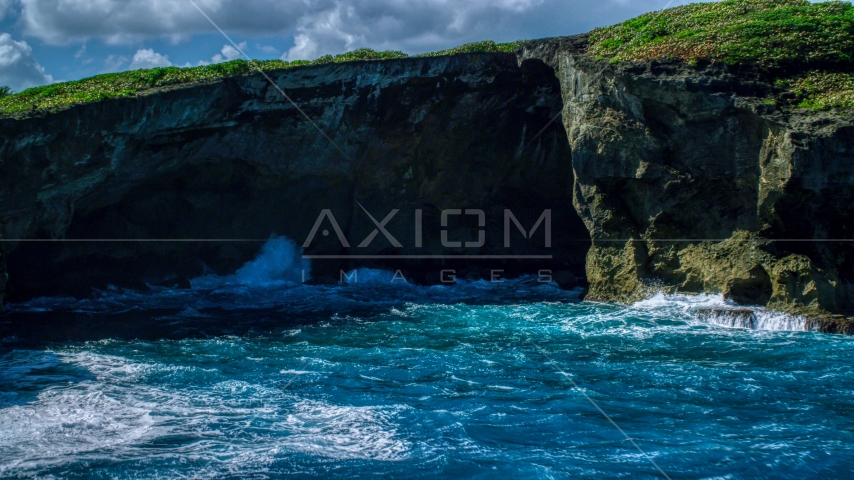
x: 754, y: 290
x: 425, y: 135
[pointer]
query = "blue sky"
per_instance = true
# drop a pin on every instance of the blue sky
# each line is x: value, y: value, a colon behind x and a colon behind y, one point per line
x: 43, y: 41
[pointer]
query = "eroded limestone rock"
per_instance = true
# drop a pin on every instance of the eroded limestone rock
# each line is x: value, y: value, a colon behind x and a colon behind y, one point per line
x: 700, y: 179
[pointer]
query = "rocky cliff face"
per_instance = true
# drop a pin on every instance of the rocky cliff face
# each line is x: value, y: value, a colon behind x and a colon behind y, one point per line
x: 233, y: 160
x: 690, y: 179
x: 702, y: 179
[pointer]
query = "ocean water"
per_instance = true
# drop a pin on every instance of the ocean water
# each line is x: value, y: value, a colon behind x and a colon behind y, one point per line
x: 255, y: 376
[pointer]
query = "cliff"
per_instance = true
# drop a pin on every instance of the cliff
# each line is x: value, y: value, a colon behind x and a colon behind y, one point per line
x: 233, y: 160
x: 660, y: 176
x: 705, y: 179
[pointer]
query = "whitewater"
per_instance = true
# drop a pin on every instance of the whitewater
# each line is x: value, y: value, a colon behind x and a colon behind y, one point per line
x: 256, y: 375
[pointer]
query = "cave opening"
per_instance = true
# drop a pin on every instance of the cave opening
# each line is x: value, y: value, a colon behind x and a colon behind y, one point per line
x: 429, y: 146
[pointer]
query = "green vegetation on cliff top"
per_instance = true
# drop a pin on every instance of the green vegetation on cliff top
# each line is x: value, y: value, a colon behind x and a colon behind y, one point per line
x: 486, y: 46
x: 773, y: 33
x: 124, y: 84
x: 131, y: 83
x: 811, y: 45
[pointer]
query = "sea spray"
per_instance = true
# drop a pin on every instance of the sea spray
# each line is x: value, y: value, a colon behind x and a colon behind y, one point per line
x: 279, y: 263
x: 713, y: 309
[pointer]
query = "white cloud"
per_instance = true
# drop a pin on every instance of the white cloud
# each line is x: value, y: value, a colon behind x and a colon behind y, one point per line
x: 324, y: 26
x: 426, y: 25
x: 18, y: 68
x: 126, y: 22
x: 416, y: 27
x: 228, y: 53
x: 148, y: 58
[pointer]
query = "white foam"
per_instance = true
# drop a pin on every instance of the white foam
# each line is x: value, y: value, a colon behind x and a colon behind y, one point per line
x: 680, y: 301
x: 777, y: 321
x: 66, y: 422
x: 684, y: 304
x: 113, y: 412
x: 344, y: 432
x: 754, y: 318
x: 278, y: 263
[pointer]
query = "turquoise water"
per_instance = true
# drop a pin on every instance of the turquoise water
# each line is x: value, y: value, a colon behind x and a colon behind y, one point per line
x: 474, y: 381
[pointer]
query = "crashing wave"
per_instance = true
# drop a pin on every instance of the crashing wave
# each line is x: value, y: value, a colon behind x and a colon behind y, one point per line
x: 753, y: 319
x: 278, y: 263
x: 715, y: 310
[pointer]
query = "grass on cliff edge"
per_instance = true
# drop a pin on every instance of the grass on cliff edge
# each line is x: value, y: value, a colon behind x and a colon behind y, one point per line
x: 128, y: 84
x: 810, y: 45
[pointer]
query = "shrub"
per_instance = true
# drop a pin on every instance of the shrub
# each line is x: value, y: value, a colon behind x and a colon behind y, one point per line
x: 772, y: 33
x: 124, y: 84
x: 809, y: 46
x: 360, y: 54
x: 131, y: 83
x: 128, y: 84
x: 821, y: 90
x: 486, y: 46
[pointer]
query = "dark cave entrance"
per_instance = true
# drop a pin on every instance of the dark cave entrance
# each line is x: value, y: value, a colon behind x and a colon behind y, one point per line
x: 433, y: 145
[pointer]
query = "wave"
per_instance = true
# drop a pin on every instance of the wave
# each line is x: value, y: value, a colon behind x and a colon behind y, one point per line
x: 279, y: 263
x: 344, y: 432
x: 755, y: 319
x: 275, y: 278
x: 118, y: 404
x: 710, y: 308
x: 468, y: 375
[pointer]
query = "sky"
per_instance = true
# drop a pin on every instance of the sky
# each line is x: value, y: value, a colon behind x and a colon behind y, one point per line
x: 45, y: 41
